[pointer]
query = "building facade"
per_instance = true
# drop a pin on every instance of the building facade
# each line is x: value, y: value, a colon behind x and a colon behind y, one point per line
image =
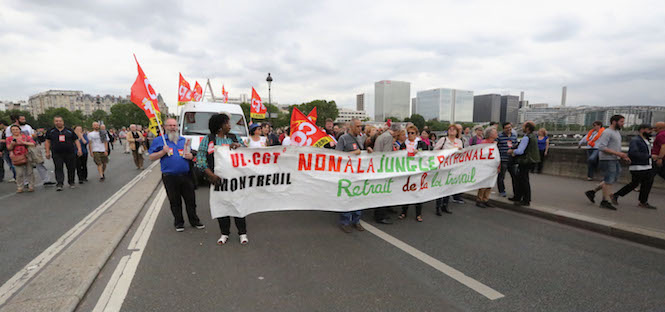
x: 445, y: 104
x: 586, y: 115
x: 510, y: 105
x: 486, y: 108
x: 414, y: 106
x: 346, y: 115
x: 360, y: 101
x: 71, y: 100
x: 391, y: 99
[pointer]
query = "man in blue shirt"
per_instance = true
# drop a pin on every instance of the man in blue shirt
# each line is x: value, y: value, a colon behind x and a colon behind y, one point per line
x: 507, y: 140
x: 174, y: 161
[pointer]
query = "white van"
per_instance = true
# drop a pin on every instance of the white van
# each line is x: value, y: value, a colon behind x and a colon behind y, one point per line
x: 194, y: 118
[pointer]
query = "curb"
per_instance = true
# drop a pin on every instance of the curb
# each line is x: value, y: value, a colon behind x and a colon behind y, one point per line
x: 628, y: 232
x: 63, y: 282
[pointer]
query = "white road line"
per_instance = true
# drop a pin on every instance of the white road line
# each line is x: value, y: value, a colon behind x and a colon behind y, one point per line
x: 444, y: 268
x: 24, y: 275
x: 117, y: 288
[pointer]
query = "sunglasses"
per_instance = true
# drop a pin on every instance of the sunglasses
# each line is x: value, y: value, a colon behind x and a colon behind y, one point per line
x: 412, y: 133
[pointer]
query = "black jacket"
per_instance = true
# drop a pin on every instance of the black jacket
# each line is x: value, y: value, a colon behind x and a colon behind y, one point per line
x: 638, y: 151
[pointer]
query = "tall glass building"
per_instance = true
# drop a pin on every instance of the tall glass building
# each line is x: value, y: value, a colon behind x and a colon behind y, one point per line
x: 445, y: 104
x: 391, y: 99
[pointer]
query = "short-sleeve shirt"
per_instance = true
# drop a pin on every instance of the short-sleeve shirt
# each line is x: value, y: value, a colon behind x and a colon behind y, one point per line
x: 25, y: 129
x: 20, y: 149
x: 610, y: 139
x: 176, y: 163
x: 62, y: 141
x: 658, y: 142
x: 506, y: 143
x: 206, y: 148
x: 96, y: 142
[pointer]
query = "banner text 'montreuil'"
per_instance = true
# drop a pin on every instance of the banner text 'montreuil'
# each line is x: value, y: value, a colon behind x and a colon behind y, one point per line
x: 388, y: 164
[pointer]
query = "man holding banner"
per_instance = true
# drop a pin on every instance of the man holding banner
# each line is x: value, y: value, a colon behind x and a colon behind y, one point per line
x: 352, y: 144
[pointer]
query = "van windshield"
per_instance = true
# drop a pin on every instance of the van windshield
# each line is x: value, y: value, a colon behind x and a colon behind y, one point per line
x: 196, y: 123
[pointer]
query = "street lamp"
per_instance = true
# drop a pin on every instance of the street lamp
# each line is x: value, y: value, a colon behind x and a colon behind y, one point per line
x: 269, y: 80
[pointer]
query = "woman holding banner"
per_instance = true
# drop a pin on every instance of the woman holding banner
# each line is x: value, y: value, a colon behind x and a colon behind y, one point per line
x: 220, y: 128
x: 412, y: 146
x: 451, y: 141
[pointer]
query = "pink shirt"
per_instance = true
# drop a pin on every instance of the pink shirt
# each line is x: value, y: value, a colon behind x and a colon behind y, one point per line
x: 658, y: 142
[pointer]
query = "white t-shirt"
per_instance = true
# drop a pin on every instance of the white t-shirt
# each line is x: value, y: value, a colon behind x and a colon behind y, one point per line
x: 257, y: 144
x: 286, y: 141
x: 96, y: 144
x: 25, y: 129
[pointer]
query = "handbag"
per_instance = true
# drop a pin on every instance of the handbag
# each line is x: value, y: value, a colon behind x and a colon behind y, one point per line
x: 18, y: 160
x: 34, y: 155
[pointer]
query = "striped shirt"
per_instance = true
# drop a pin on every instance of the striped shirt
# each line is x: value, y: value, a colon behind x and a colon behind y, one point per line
x: 505, y: 143
x: 201, y: 159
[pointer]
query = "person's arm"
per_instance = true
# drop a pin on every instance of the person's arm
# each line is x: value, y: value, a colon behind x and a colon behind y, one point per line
x: 28, y: 142
x: 47, y: 147
x: 79, y: 151
x: 602, y: 144
x: 11, y: 144
x: 158, y: 154
x: 522, y: 147
x: 547, y: 146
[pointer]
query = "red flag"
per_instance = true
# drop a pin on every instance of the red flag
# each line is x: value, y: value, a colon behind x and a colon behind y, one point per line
x: 198, y: 92
x: 145, y: 97
x: 225, y: 95
x: 184, y: 91
x: 305, y: 133
x: 257, y: 110
x: 312, y: 115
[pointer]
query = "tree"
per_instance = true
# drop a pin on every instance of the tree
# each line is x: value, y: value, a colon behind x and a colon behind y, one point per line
x: 71, y: 119
x: 98, y: 115
x: 393, y: 119
x: 417, y: 120
x: 272, y: 109
x: 126, y: 113
x: 6, y: 116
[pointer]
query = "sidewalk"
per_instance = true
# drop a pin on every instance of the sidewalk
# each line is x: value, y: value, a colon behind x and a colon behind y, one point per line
x: 562, y: 199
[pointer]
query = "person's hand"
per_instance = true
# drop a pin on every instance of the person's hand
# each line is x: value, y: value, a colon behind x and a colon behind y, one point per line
x: 214, y: 179
x: 370, y: 150
x: 48, y: 155
x: 235, y: 145
x: 546, y: 153
x: 356, y: 152
x: 105, y: 154
x: 659, y: 162
x: 79, y: 153
x: 188, y: 156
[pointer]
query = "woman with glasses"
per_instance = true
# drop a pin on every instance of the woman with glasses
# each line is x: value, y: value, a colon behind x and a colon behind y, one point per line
x: 413, y: 144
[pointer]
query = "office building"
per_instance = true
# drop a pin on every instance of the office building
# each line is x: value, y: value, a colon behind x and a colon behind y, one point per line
x: 391, y: 99
x: 445, y: 104
x: 346, y: 115
x: 360, y: 101
x: 414, y: 107
x: 586, y: 115
x: 510, y: 106
x: 486, y: 108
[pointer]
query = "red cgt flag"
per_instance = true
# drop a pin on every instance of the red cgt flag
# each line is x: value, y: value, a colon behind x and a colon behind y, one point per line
x: 257, y: 110
x: 305, y: 133
x: 312, y: 115
x: 145, y: 97
x: 225, y: 95
x: 184, y: 91
x: 198, y: 92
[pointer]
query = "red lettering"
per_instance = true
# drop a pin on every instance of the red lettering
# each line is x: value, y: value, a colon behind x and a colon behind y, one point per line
x: 360, y: 160
x: 276, y: 156
x: 349, y: 164
x: 256, y: 158
x: 320, y: 162
x: 266, y: 158
x: 491, y: 154
x: 467, y: 156
x: 475, y: 154
x: 235, y: 160
x: 244, y: 163
x: 481, y: 155
x: 302, y: 165
x: 423, y: 184
x: 370, y: 168
x: 407, y: 187
x: 332, y: 166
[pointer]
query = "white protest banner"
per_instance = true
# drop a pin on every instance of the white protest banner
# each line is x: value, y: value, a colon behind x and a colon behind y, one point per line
x: 309, y: 178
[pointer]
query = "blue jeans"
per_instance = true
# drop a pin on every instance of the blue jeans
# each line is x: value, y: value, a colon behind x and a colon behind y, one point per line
x: 351, y: 217
x: 5, y: 155
x: 592, y: 161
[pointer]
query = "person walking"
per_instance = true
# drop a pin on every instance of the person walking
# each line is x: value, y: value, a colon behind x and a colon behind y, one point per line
x: 351, y: 143
x: 4, y: 154
x: 412, y: 146
x: 609, y: 145
x: 478, y: 136
x: 99, y: 148
x: 483, y: 197
x: 384, y: 144
x: 82, y: 161
x: 135, y: 142
x: 507, y: 140
x: 527, y: 156
x: 543, y: 149
x: 451, y: 141
x: 220, y: 127
x: 255, y: 139
x: 18, y: 149
x: 658, y: 151
x: 589, y: 140
x: 174, y: 162
x: 63, y: 144
x: 271, y: 138
x: 640, y: 168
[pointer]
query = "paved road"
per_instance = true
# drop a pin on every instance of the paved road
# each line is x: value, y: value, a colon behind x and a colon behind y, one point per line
x: 31, y: 222
x: 300, y: 261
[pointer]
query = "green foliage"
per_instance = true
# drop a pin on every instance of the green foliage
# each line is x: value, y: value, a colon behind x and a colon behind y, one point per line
x: 417, y: 120
x: 436, y: 125
x: 126, y: 113
x: 325, y: 109
x: 99, y: 115
x: 272, y: 109
x: 45, y: 120
x: 5, y: 116
x: 393, y: 119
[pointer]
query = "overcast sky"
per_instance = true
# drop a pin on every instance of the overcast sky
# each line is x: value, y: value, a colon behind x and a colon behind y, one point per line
x: 606, y: 52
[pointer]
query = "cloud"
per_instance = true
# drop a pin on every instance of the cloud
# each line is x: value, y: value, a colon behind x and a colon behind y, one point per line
x: 337, y: 49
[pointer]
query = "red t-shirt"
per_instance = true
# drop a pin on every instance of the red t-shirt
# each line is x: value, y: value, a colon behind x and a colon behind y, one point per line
x: 20, y: 149
x: 658, y: 142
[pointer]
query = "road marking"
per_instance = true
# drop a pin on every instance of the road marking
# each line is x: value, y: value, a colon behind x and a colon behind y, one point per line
x: 24, y: 275
x: 442, y: 267
x: 118, y: 286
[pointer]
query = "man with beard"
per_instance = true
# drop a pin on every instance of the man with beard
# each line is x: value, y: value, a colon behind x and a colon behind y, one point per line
x: 609, y: 145
x: 174, y: 161
x: 99, y: 148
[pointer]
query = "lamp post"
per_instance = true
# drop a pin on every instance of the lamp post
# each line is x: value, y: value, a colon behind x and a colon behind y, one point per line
x: 269, y: 80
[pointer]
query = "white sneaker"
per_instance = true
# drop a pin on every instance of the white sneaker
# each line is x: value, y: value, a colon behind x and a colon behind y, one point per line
x: 243, y: 239
x: 222, y: 240
x: 12, y: 180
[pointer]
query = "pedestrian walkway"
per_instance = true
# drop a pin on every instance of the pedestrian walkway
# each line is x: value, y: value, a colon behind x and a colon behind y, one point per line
x: 567, y: 194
